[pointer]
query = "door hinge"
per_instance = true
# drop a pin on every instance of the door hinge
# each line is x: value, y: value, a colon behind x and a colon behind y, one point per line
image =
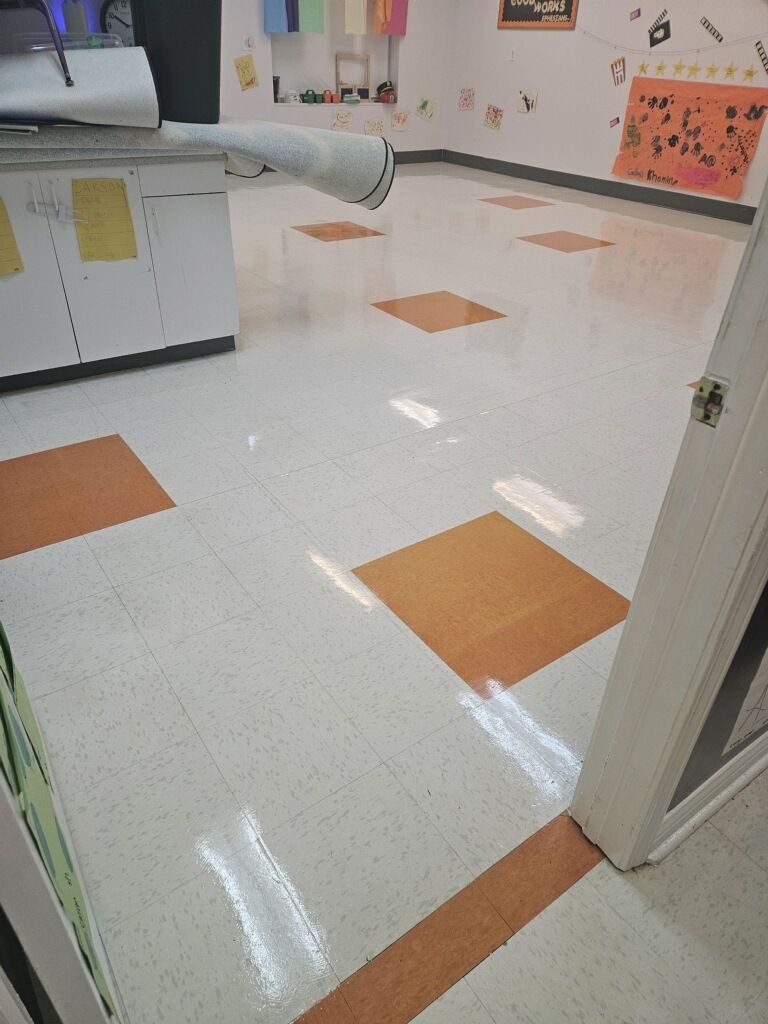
x: 709, y: 400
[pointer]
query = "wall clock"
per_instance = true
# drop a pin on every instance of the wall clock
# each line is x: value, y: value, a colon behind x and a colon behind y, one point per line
x: 117, y: 18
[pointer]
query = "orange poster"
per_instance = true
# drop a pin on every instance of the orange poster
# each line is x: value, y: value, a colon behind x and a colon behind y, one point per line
x: 691, y: 135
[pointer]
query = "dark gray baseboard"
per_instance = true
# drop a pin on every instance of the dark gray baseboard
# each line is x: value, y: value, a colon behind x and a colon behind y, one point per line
x: 173, y: 354
x: 419, y: 156
x: 615, y: 189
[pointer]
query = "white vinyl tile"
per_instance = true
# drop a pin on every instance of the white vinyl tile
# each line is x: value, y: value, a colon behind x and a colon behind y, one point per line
x: 367, y: 865
x: 704, y: 910
x: 459, y: 1005
x: 275, y: 454
x: 142, y: 832
x: 288, y: 752
x: 758, y: 1014
x: 62, y: 428
x: 157, y: 442
x: 49, y: 400
x: 362, y: 532
x: 146, y: 545
x: 184, y: 600
x: 236, y: 516
x: 60, y: 647
x: 279, y: 564
x: 14, y: 443
x: 114, y: 387
x: 439, y: 504
x: 145, y: 409
x: 743, y: 820
x: 199, y: 476
x: 103, y: 724
x: 482, y: 785
x: 310, y: 492
x: 332, y: 621
x: 229, y: 668
x: 396, y: 693
x: 46, y: 578
x: 578, y: 963
x: 386, y: 466
x: 505, y: 427
x: 599, y: 653
x: 231, y: 946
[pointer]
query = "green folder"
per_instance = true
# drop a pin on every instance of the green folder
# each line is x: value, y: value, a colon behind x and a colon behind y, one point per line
x: 311, y: 16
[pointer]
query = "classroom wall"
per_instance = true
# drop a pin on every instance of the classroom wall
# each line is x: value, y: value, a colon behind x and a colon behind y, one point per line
x: 420, y: 66
x: 570, y: 70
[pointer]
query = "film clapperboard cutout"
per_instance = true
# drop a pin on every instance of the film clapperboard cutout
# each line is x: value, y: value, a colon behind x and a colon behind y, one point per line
x: 763, y: 55
x: 660, y: 30
x: 711, y: 29
x: 634, y: 15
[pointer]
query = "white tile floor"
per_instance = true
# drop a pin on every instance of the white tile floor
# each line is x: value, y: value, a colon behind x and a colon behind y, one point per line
x: 269, y: 779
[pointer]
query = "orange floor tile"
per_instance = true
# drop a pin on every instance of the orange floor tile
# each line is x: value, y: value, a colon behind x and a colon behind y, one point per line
x: 493, y: 601
x: 516, y: 202
x: 336, y: 231
x: 566, y: 241
x: 54, y: 495
x: 438, y: 311
x: 427, y: 961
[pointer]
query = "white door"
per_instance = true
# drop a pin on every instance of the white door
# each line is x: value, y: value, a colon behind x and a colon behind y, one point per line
x: 194, y: 267
x: 35, y: 328
x: 113, y: 302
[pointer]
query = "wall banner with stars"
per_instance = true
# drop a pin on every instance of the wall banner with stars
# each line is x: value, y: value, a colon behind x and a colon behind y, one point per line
x: 691, y: 135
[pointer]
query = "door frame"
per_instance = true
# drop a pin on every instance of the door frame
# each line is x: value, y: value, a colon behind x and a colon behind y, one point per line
x: 703, y: 575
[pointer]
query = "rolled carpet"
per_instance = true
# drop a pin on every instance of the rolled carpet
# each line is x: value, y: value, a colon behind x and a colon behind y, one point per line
x: 353, y: 168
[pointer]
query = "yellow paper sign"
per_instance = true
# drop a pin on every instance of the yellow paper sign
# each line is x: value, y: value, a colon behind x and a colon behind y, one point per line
x: 10, y: 257
x: 246, y: 72
x: 103, y: 219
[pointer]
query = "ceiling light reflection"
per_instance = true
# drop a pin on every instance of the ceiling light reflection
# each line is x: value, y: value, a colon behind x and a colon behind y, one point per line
x: 540, y: 504
x: 425, y: 415
x: 339, y: 578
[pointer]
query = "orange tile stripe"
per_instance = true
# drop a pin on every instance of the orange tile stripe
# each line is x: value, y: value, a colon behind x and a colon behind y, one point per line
x: 438, y: 311
x: 566, y: 241
x: 336, y: 231
x: 65, y: 492
x: 418, y: 968
x: 516, y: 202
x: 494, y: 602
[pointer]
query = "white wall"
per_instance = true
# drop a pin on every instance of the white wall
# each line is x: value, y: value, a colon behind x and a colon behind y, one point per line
x: 571, y: 72
x: 422, y: 63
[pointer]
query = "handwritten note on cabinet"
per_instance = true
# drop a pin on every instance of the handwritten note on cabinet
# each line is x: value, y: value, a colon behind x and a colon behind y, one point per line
x: 103, y: 219
x: 10, y: 257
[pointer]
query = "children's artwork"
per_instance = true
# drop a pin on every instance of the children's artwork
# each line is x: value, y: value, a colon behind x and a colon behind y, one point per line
x: 619, y: 70
x: 342, y: 121
x: 634, y: 15
x: 538, y: 13
x: 466, y: 99
x: 762, y: 54
x: 615, y: 121
x: 246, y: 72
x: 374, y: 126
x: 426, y: 109
x: 493, y: 116
x: 526, y: 101
x: 711, y: 29
x: 401, y: 120
x: 691, y: 135
x: 660, y: 30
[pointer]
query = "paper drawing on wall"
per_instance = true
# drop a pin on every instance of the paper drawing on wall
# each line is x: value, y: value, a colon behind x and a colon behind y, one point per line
x: 538, y: 13
x: 401, y: 121
x: 342, y: 121
x: 246, y: 72
x: 466, y: 99
x: 749, y: 73
x: 526, y: 101
x: 426, y: 109
x: 634, y: 15
x: 660, y: 30
x: 619, y: 70
x: 615, y: 121
x: 762, y: 54
x: 493, y: 116
x: 711, y: 29
x: 691, y: 135
x: 374, y: 126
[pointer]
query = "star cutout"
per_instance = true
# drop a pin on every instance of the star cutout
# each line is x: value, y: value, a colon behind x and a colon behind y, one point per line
x: 749, y: 73
x: 731, y: 70
x: 661, y: 68
x: 712, y: 71
x: 678, y: 68
x: 694, y: 69
x: 642, y: 68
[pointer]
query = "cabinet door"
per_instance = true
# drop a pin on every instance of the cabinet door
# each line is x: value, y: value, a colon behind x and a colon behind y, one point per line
x: 194, y: 266
x: 35, y: 328
x: 113, y: 303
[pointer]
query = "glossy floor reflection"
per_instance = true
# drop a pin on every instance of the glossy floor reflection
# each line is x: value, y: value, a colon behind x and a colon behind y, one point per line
x: 270, y: 779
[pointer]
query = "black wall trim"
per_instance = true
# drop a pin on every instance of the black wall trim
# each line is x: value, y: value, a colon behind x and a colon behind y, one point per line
x: 616, y: 189
x: 161, y: 355
x: 419, y: 156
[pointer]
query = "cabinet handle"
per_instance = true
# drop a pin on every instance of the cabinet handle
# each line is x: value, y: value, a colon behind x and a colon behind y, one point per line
x: 53, y: 196
x: 34, y: 196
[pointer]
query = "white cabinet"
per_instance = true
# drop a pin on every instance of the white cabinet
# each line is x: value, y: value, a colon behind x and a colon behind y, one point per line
x: 192, y: 255
x: 113, y: 303
x: 35, y: 328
